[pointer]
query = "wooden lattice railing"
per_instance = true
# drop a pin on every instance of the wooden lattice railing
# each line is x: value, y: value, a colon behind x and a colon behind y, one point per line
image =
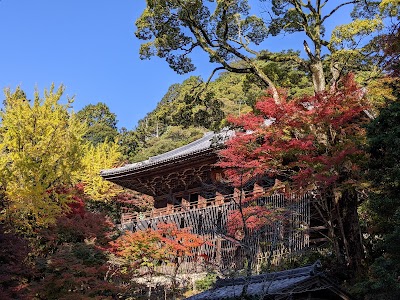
x: 128, y: 216
x: 209, y: 219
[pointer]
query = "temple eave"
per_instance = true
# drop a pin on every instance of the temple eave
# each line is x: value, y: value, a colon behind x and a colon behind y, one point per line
x: 133, y: 178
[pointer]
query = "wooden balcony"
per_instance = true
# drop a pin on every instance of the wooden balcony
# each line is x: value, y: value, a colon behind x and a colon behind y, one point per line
x: 130, y: 217
x: 209, y: 217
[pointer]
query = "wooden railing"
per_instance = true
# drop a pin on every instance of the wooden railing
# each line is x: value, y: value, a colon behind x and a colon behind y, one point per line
x: 129, y: 217
x: 209, y: 218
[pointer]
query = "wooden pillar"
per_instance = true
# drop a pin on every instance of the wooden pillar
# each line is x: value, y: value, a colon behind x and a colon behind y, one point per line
x: 258, y: 190
x: 279, y: 187
x: 218, y: 247
x: 237, y: 195
x: 202, y: 201
x: 185, y: 204
x: 219, y: 198
x: 170, y: 208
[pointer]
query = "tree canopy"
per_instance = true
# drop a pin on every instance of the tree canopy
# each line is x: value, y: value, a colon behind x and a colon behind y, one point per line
x: 312, y: 143
x: 228, y: 33
x: 383, y: 213
x: 102, y: 123
x: 105, y: 155
x: 40, y: 147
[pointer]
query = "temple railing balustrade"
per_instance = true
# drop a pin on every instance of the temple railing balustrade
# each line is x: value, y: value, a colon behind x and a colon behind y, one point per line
x: 128, y: 216
x: 209, y: 218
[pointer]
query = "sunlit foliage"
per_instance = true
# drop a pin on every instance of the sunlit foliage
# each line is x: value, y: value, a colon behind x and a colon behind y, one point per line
x: 40, y: 149
x: 314, y: 143
x: 105, y: 155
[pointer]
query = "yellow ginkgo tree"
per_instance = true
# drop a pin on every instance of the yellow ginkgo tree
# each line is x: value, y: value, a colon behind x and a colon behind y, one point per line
x: 104, y: 155
x: 40, y: 148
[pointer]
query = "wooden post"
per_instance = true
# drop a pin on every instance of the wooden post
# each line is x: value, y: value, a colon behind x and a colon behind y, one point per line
x: 218, y: 256
x: 219, y: 198
x: 185, y: 202
x: 185, y: 205
x: 202, y: 202
x: 236, y: 195
x: 258, y: 190
x: 170, y: 208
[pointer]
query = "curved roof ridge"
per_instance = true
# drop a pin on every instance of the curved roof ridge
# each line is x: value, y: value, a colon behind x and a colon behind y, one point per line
x: 206, y: 143
x: 206, y: 137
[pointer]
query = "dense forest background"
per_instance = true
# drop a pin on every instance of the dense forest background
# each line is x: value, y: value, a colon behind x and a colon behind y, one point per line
x: 58, y: 234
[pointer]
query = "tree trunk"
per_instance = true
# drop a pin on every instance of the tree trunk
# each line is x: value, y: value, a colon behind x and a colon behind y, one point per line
x: 249, y: 271
x: 341, y: 218
x: 268, y: 82
x: 351, y: 231
x: 318, y: 76
x: 335, y: 72
x: 174, y: 281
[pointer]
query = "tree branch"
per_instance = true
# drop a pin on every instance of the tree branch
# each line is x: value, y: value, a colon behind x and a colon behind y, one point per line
x: 302, y: 15
x: 213, y: 73
x: 265, y: 56
x: 244, y: 46
x: 337, y: 8
x: 305, y: 22
x: 187, y: 51
x: 209, y: 79
x: 323, y: 4
x: 308, y: 50
x: 311, y: 8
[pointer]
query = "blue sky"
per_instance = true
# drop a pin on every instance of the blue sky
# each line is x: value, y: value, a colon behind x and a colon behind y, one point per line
x: 90, y: 47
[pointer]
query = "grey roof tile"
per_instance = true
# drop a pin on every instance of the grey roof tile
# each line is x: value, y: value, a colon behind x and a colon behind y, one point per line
x: 208, y: 141
x: 268, y: 284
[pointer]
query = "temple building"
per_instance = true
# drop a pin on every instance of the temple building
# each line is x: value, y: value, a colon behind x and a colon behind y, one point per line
x: 191, y: 191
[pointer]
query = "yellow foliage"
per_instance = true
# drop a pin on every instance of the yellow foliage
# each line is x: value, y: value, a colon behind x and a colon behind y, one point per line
x: 380, y: 92
x: 40, y: 148
x: 102, y: 156
x: 391, y: 7
x: 351, y: 33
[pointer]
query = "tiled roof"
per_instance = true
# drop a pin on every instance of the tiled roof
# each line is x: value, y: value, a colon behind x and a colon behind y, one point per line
x: 278, y: 283
x: 209, y: 141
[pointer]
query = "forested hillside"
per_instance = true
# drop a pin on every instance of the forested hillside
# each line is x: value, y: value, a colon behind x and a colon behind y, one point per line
x: 190, y: 108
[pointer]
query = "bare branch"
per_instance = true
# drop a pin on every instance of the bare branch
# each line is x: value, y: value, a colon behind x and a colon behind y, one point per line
x: 312, y: 8
x: 213, y: 73
x: 208, y: 80
x: 337, y: 8
x: 323, y: 4
x: 308, y: 50
x: 188, y: 50
x: 244, y: 46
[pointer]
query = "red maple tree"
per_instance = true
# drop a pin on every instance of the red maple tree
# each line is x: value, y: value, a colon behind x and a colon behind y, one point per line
x: 313, y: 143
x: 15, y: 270
x: 70, y: 256
x: 253, y: 218
x: 168, y: 244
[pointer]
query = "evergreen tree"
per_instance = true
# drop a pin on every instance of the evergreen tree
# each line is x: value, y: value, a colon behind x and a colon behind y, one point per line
x: 384, y: 206
x: 102, y: 124
x: 227, y: 32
